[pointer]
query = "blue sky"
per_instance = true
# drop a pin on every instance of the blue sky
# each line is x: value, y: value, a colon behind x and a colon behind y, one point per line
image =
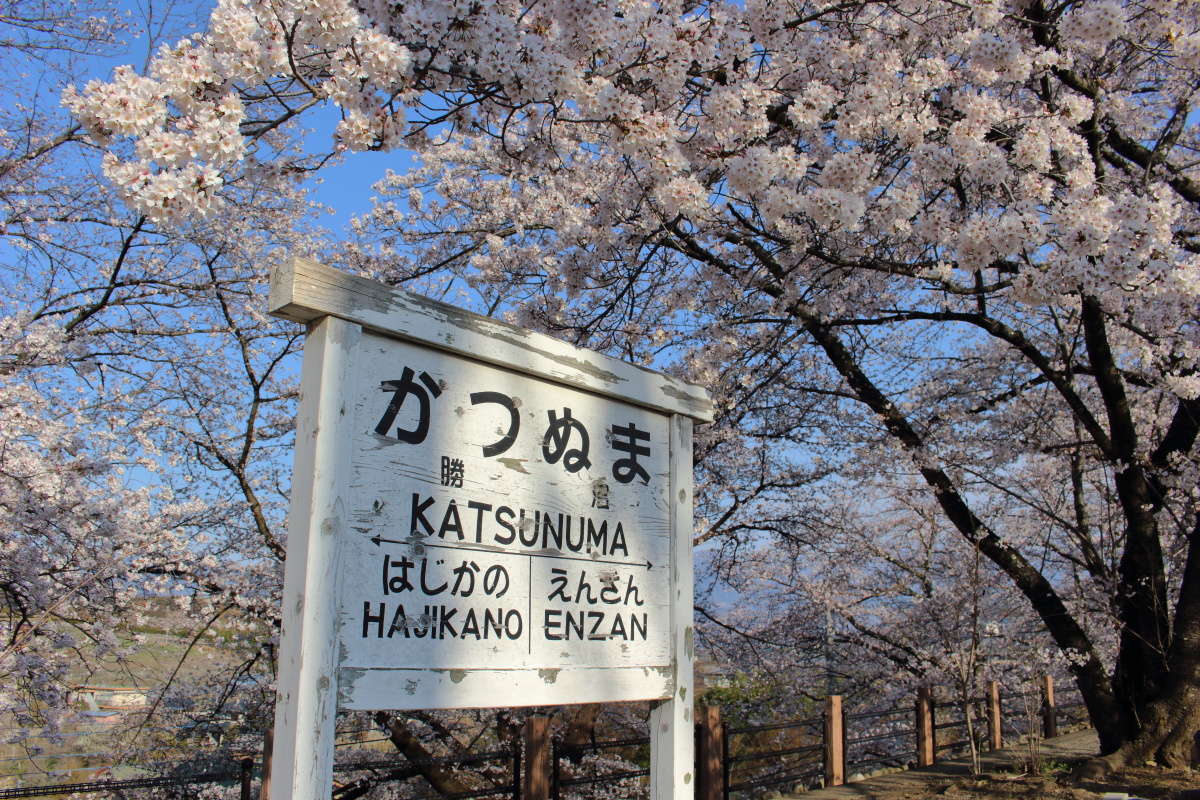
x: 346, y: 186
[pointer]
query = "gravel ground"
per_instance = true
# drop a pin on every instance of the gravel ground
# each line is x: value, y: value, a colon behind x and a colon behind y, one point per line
x: 1006, y: 775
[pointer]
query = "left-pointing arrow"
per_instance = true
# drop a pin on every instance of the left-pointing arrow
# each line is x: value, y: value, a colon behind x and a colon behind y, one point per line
x: 414, y: 542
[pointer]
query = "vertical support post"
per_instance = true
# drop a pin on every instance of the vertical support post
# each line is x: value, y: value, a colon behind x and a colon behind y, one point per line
x: 672, y: 755
x: 306, y: 694
x: 537, y: 759
x: 555, y: 790
x: 995, y: 730
x: 1049, y: 710
x: 709, y: 758
x: 724, y: 763
x: 925, y: 750
x: 264, y: 788
x: 516, y: 768
x: 247, y: 773
x: 835, y: 741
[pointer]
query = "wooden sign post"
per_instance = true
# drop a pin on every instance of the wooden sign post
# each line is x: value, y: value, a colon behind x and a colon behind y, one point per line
x: 481, y: 516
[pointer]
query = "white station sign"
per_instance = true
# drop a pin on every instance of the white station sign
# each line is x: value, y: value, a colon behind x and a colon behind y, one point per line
x: 481, y: 516
x: 498, y: 522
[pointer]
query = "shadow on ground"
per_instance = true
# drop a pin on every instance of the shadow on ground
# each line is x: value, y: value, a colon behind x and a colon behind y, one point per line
x: 1005, y: 775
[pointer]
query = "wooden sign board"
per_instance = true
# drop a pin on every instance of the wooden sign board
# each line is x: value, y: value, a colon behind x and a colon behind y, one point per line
x: 481, y: 516
x: 505, y: 532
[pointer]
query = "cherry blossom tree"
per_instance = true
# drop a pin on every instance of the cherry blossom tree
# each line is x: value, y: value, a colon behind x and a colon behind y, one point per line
x: 965, y: 234
x: 66, y: 452
x: 146, y: 397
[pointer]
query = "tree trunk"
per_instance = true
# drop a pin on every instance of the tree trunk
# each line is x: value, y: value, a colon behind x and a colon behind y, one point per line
x: 1171, y: 722
x: 442, y: 780
x: 1167, y: 726
x: 1142, y: 670
x: 581, y: 730
x: 1168, y: 733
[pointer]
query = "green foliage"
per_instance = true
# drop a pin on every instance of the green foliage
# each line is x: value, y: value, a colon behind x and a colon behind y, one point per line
x: 747, y: 699
x: 1053, y: 768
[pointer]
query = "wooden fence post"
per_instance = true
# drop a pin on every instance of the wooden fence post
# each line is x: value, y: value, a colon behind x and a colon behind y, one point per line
x: 995, y: 732
x: 247, y: 774
x: 925, y: 749
x: 709, y: 758
x: 515, y: 741
x: 536, y: 785
x: 1049, y: 710
x: 264, y: 789
x: 835, y: 738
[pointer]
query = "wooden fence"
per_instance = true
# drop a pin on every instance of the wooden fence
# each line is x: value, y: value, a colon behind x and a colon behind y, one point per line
x: 823, y: 750
x: 730, y: 759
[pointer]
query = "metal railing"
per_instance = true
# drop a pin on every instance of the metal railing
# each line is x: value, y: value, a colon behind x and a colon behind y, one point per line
x: 799, y: 770
x: 125, y: 785
x: 979, y: 724
x: 561, y: 752
x: 243, y: 772
x: 892, y: 726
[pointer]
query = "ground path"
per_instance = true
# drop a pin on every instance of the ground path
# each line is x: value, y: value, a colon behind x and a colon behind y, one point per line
x: 926, y: 782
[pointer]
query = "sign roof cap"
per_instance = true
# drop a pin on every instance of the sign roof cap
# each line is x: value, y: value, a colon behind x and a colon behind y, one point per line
x: 303, y: 290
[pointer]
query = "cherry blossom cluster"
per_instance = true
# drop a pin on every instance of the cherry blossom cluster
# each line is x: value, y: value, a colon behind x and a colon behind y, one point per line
x: 68, y: 466
x: 665, y: 100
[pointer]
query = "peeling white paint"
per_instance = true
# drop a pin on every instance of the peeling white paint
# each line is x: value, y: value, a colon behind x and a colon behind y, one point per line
x: 363, y: 486
x: 304, y: 290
